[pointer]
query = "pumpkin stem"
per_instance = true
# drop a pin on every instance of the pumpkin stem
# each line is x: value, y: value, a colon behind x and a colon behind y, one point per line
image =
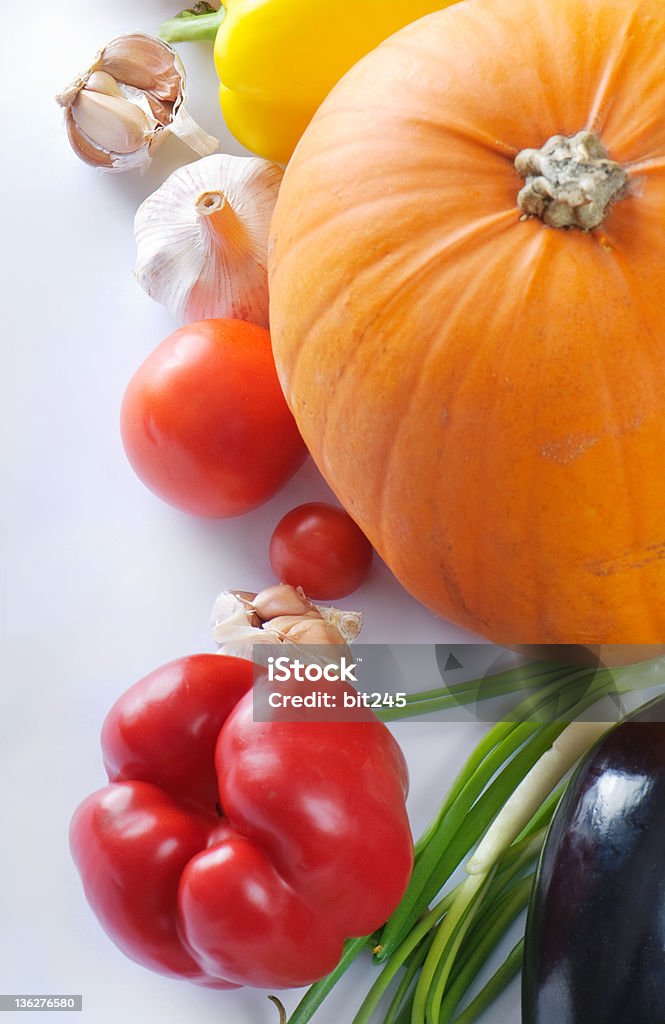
x: 570, y: 182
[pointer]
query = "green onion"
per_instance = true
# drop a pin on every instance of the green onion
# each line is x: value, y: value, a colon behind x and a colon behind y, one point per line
x: 457, y: 834
x: 509, y: 968
x: 499, y: 685
x: 494, y: 927
x: 317, y: 992
x: 498, y: 806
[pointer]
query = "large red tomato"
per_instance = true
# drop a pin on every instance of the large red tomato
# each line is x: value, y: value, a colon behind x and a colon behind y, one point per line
x: 204, y: 422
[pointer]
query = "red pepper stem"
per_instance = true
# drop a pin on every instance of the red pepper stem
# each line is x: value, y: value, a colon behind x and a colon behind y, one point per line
x: 280, y: 1006
x: 192, y: 26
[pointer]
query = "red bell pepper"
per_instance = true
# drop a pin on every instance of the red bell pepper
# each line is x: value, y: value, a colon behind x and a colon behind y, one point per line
x: 234, y: 852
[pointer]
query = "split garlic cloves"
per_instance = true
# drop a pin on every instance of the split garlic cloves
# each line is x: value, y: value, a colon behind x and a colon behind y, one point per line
x: 202, y: 239
x: 127, y: 103
x: 280, y: 615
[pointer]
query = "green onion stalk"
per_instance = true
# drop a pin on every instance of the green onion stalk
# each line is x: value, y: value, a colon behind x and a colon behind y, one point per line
x: 493, y: 820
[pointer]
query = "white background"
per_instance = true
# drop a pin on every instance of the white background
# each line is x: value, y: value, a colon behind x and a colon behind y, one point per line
x: 101, y: 582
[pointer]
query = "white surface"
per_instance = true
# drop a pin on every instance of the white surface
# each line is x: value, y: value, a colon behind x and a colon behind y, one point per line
x: 101, y: 582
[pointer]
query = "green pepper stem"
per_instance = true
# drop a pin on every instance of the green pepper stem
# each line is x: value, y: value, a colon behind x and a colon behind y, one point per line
x: 189, y: 27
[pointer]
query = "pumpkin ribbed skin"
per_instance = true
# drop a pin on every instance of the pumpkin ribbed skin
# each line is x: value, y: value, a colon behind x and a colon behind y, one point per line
x: 486, y: 394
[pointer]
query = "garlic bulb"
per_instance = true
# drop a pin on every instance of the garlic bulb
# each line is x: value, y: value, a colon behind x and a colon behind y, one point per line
x: 279, y: 614
x: 127, y: 102
x: 202, y: 239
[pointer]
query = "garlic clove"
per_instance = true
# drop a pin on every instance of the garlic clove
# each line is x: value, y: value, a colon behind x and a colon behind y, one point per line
x: 282, y: 599
x: 286, y: 615
x: 229, y: 632
x: 282, y: 624
x: 100, y: 81
x: 145, y: 63
x: 127, y: 102
x: 84, y: 148
x: 115, y: 124
x: 312, y: 633
x: 244, y: 648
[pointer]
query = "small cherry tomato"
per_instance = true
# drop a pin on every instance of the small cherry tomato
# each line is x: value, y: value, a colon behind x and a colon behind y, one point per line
x: 204, y: 422
x: 319, y: 547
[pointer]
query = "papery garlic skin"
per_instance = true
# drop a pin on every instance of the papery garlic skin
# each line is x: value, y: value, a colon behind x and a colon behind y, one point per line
x: 126, y: 104
x: 202, y: 239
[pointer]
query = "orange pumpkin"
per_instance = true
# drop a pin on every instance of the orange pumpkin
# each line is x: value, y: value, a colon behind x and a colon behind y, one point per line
x: 485, y: 391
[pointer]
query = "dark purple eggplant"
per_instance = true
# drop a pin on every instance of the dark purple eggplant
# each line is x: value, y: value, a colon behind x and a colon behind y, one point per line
x: 594, y: 949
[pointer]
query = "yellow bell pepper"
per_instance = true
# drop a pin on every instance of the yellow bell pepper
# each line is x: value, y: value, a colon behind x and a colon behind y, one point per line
x: 278, y: 59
